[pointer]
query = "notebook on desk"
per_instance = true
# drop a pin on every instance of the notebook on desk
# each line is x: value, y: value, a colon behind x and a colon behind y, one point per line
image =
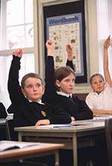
x: 53, y: 126
x: 8, y: 145
x: 56, y: 126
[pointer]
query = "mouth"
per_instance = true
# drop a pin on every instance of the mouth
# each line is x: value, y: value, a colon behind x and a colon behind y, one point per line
x: 70, y: 90
x: 36, y: 94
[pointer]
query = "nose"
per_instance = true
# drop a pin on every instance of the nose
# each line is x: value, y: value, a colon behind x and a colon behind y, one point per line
x: 71, y: 83
x: 98, y: 84
x: 34, y: 88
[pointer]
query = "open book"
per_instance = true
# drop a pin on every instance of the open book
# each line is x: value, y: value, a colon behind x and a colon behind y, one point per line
x: 53, y: 126
x: 8, y: 145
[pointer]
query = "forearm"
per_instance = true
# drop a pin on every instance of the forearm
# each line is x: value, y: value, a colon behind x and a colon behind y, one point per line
x: 13, y: 80
x: 70, y: 64
x: 106, y: 65
x: 106, y: 61
x: 97, y: 112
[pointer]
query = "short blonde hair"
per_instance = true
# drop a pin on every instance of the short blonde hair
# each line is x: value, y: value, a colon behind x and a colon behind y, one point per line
x: 33, y: 75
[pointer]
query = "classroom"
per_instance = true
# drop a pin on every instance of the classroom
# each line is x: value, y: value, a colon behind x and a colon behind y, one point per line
x: 72, y: 35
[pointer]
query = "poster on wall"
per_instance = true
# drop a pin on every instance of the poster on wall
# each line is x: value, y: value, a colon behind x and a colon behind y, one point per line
x: 67, y: 28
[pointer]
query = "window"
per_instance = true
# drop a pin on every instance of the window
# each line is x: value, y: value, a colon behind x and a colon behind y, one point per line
x: 16, y: 31
x: 17, y: 26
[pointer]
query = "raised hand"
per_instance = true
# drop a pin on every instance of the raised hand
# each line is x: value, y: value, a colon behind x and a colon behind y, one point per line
x: 107, y: 43
x: 69, y: 50
x: 50, y: 47
x: 18, y: 52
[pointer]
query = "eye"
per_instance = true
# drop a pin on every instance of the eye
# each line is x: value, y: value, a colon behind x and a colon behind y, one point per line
x: 94, y: 83
x: 67, y: 80
x: 29, y: 86
x: 101, y: 81
x: 73, y: 80
x: 38, y: 85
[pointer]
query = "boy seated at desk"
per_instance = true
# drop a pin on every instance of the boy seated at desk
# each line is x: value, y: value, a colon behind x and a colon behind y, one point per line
x: 100, y: 99
x: 26, y: 99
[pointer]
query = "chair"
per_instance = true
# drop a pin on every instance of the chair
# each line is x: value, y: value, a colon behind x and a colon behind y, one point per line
x: 10, y: 119
x: 3, y: 113
x: 108, y: 134
x: 4, y: 129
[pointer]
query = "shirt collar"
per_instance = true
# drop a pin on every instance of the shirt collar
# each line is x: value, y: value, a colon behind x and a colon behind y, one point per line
x: 38, y: 101
x: 64, y: 94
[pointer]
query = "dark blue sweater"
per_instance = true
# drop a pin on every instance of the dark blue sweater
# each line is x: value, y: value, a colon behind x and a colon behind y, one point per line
x: 64, y: 105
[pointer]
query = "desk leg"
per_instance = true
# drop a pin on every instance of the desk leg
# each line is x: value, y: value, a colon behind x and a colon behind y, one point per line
x: 57, y: 158
x: 74, y: 144
x: 19, y: 136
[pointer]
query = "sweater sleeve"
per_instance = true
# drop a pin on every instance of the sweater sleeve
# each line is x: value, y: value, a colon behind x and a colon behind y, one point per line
x: 49, y: 79
x: 70, y: 64
x: 14, y: 88
x: 84, y: 111
x: 58, y: 115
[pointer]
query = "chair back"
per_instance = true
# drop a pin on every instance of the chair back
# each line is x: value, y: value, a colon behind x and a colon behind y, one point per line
x: 3, y: 113
x: 4, y: 129
x: 108, y: 134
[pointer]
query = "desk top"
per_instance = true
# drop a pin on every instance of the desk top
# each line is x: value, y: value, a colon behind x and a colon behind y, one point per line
x: 29, y: 151
x: 79, y: 126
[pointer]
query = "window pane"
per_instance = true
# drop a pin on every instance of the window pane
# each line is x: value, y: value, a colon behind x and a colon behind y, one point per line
x: 17, y: 22
x: 28, y: 11
x: 27, y: 65
x: 20, y: 36
x: 15, y: 37
x: 29, y: 35
x: 15, y: 12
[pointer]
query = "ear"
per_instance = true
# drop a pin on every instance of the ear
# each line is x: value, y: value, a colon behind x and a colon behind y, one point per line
x: 58, y: 83
x: 23, y: 91
x: 43, y: 90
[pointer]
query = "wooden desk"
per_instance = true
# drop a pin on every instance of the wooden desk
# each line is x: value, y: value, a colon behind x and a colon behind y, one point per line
x: 70, y: 136
x: 32, y: 151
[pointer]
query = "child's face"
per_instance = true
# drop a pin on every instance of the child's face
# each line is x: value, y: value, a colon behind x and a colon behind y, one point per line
x: 33, y: 89
x: 66, y: 85
x: 97, y: 84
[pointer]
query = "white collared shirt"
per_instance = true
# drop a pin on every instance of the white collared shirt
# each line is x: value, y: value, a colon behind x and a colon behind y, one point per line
x: 38, y: 101
x: 63, y: 94
x: 100, y: 101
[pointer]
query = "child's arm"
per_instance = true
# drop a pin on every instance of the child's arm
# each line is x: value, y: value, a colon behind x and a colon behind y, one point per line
x: 99, y: 112
x: 106, y: 63
x: 69, y: 50
x: 13, y: 80
x: 49, y: 72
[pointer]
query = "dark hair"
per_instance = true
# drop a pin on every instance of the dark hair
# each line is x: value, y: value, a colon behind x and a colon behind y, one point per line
x: 63, y: 72
x: 33, y: 75
x: 94, y: 75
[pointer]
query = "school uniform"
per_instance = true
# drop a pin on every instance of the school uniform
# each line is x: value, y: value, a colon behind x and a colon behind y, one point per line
x: 26, y: 112
x: 102, y: 100
x: 73, y: 107
x: 3, y: 113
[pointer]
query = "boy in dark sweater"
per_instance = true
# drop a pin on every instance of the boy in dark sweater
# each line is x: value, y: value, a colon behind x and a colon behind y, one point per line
x: 26, y: 99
